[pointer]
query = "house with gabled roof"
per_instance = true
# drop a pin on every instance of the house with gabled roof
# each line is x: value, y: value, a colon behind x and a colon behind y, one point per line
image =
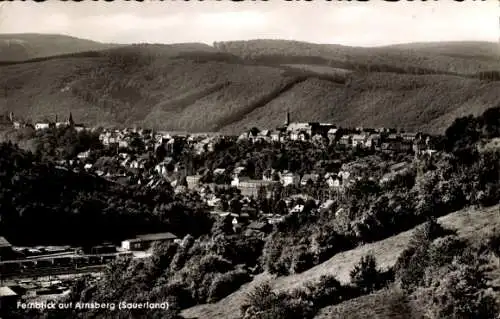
x: 359, y: 140
x: 289, y: 178
x: 345, y: 140
x: 332, y: 134
x: 144, y: 242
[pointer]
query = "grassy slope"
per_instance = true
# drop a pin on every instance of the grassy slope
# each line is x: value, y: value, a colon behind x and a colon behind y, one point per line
x: 470, y: 224
x: 385, y: 304
x: 194, y: 87
x: 26, y: 46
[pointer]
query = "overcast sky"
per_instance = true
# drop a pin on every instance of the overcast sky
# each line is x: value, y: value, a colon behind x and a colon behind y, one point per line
x: 349, y: 23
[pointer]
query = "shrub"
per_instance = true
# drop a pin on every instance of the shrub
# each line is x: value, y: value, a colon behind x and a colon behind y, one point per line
x: 302, y: 260
x: 260, y: 298
x: 365, y: 274
x: 176, y: 293
x: 432, y: 230
x: 214, y: 263
x: 263, y: 303
x: 410, y: 266
x: 226, y: 283
x: 443, y: 250
x: 327, y: 291
x: 460, y: 293
x: 494, y: 244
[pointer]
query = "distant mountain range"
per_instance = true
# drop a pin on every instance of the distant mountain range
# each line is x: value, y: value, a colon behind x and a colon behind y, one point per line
x: 232, y: 86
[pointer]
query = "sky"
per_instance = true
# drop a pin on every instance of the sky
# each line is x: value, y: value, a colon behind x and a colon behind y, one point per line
x: 338, y: 22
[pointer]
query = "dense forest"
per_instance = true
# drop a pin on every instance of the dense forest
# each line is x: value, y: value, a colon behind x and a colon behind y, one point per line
x: 229, y: 85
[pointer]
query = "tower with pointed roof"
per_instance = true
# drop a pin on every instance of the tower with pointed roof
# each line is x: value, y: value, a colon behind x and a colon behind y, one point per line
x: 70, y: 120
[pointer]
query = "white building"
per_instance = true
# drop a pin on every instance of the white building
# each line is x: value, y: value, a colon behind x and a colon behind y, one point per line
x: 289, y: 178
x: 42, y: 126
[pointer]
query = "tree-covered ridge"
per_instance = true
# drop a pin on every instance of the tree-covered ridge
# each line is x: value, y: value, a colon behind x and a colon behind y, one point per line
x: 423, y: 59
x: 147, y: 85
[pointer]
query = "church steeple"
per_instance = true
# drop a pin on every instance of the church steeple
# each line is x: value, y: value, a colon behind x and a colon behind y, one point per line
x: 287, y: 121
x: 70, y: 119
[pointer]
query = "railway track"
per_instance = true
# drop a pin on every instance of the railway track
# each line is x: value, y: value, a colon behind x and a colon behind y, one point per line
x: 62, y: 256
x: 53, y: 271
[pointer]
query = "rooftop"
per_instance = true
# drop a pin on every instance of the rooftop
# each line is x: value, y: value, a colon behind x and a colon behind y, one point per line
x: 4, y: 242
x: 6, y: 292
x: 255, y: 181
x: 298, y: 126
x: 257, y: 225
x: 157, y: 236
x: 398, y: 166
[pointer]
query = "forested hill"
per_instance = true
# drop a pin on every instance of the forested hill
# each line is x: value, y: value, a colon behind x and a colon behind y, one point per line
x: 41, y: 203
x: 232, y: 86
x: 27, y: 46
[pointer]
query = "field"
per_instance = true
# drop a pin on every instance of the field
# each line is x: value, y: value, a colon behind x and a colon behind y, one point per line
x: 470, y: 223
x: 385, y: 304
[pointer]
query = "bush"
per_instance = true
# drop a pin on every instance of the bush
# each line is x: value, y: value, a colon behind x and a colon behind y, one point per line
x: 327, y: 291
x: 260, y: 298
x: 365, y: 274
x: 175, y: 292
x: 263, y: 303
x: 494, y: 244
x: 302, y: 260
x: 226, y: 283
x: 443, y: 250
x: 460, y: 293
x: 411, y: 264
x: 432, y: 230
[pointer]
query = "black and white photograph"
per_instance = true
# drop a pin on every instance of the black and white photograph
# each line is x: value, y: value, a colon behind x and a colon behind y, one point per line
x: 250, y: 159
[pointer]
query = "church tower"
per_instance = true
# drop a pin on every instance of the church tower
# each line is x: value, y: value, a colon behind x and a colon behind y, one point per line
x: 70, y: 120
x: 287, y: 121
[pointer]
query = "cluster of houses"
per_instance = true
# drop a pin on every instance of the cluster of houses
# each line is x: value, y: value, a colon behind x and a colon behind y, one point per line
x: 43, y: 125
x: 168, y: 171
x: 337, y: 180
x: 123, y: 138
x: 134, y: 161
x: 134, y: 156
x: 382, y: 139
